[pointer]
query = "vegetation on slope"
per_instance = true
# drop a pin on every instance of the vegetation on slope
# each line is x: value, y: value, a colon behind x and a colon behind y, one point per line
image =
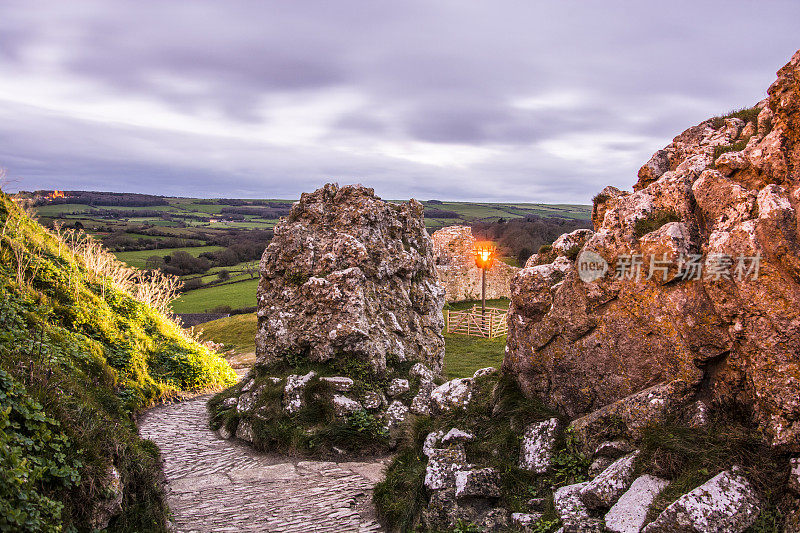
x: 78, y: 358
x: 496, y: 416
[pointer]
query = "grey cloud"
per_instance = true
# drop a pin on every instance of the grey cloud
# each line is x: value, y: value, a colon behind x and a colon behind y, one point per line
x: 441, y: 73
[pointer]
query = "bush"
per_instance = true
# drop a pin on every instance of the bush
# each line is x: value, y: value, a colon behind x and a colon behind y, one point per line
x: 747, y: 114
x: 737, y: 146
x: 654, y: 221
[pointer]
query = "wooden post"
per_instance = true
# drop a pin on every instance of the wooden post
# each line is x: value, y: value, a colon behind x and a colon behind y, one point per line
x: 483, y: 292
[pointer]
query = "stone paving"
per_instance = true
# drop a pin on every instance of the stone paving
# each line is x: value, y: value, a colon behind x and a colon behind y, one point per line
x: 219, y: 485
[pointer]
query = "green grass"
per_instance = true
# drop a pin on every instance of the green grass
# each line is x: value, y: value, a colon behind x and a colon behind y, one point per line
x: 138, y: 258
x: 236, y: 295
x: 495, y: 415
x: 463, y: 355
x: 236, y: 332
x: 471, y: 211
x: 688, y: 457
x: 55, y: 210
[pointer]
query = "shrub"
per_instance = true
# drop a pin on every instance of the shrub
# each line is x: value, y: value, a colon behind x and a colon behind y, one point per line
x: 599, y: 198
x: 654, y: 221
x: 747, y: 114
x: 35, y: 462
x: 737, y: 146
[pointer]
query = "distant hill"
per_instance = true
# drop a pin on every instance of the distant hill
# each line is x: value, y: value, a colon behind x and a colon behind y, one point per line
x: 79, y: 357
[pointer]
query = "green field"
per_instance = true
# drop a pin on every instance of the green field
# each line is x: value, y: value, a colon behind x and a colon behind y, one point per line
x: 235, y: 295
x: 138, y: 259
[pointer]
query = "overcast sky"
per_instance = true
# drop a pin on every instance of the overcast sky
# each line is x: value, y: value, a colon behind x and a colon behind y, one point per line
x: 496, y: 101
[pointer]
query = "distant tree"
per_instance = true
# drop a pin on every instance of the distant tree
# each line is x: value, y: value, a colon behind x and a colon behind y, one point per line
x: 154, y: 261
x: 523, y: 256
x: 78, y: 225
x: 223, y: 275
x: 251, y: 268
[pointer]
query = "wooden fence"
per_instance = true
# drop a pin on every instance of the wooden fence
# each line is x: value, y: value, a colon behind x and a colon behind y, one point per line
x: 471, y: 322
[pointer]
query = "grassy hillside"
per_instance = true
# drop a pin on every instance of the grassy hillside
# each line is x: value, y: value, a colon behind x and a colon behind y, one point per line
x: 78, y: 359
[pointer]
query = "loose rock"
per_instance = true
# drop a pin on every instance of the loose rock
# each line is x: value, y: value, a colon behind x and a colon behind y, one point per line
x: 339, y: 383
x: 612, y: 482
x: 343, y: 406
x: 452, y: 395
x: 538, y: 442
x: 727, y: 502
x: 484, y: 482
x: 397, y: 387
x: 443, y: 463
x: 630, y: 512
x: 293, y: 399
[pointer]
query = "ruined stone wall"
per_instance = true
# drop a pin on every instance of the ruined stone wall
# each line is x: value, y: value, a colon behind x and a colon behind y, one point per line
x: 453, y: 252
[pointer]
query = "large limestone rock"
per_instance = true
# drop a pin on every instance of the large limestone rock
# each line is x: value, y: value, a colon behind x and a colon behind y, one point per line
x: 726, y: 502
x: 349, y: 275
x: 628, y: 515
x: 455, y: 262
x: 727, y: 335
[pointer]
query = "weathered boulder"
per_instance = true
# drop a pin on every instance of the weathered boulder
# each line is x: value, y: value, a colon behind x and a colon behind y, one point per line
x: 372, y: 400
x: 396, y: 414
x: 538, y: 443
x: 348, y: 275
x: 397, y: 387
x: 338, y: 383
x: 443, y: 463
x: 421, y: 403
x: 628, y: 515
x: 525, y: 520
x: 727, y: 502
x: 294, y: 391
x: 612, y: 482
x: 702, y: 289
x: 453, y: 394
x: 573, y: 512
x: 343, y: 406
x: 454, y: 254
x: 422, y: 372
x: 244, y: 431
x: 633, y: 413
x: 483, y: 483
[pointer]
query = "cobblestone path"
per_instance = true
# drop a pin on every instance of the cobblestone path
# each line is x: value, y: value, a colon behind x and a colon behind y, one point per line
x: 219, y: 485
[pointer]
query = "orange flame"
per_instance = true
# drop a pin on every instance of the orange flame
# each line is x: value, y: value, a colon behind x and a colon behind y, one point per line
x: 485, y: 254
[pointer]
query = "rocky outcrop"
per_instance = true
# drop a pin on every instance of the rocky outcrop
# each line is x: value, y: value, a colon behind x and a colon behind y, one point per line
x: 455, y: 263
x: 701, y: 296
x: 348, y: 275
